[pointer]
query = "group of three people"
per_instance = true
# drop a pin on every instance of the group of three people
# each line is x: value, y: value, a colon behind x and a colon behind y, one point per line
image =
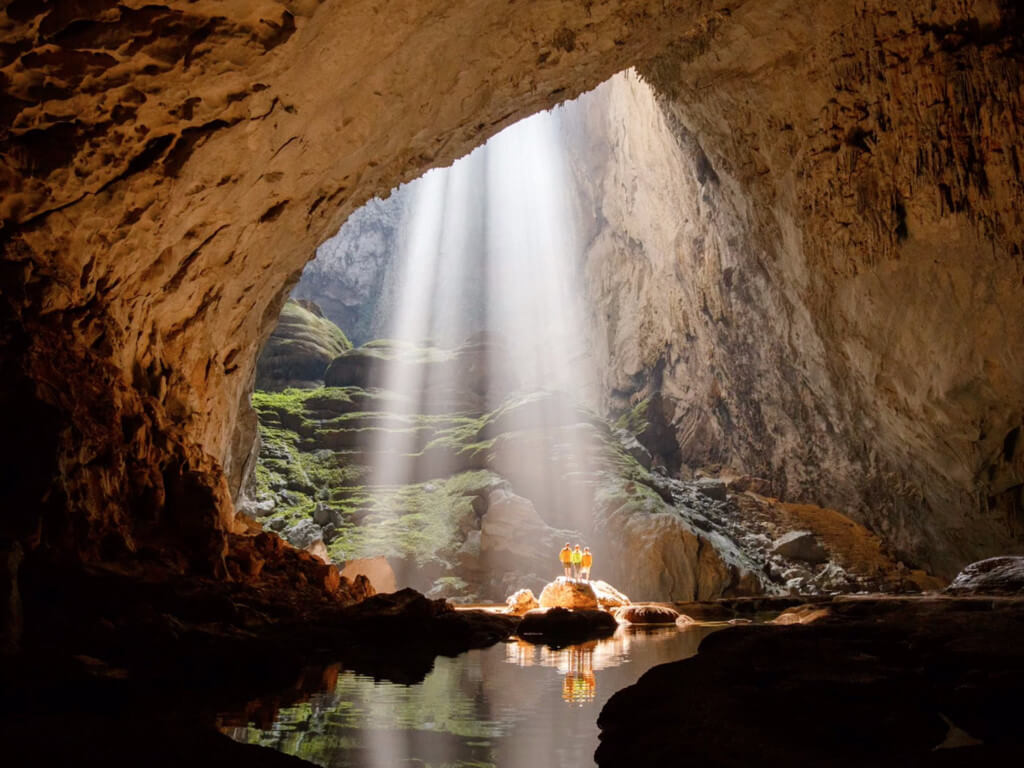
x: 576, y: 563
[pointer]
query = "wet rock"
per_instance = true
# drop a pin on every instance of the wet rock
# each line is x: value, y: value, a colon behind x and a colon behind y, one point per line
x: 607, y: 595
x: 568, y: 593
x: 561, y: 624
x: 994, y: 576
x: 521, y: 601
x: 800, y: 545
x: 802, y: 614
x: 647, y: 614
x: 898, y: 669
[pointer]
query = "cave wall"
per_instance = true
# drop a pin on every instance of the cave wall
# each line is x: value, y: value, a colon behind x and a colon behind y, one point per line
x: 167, y: 170
x: 812, y: 251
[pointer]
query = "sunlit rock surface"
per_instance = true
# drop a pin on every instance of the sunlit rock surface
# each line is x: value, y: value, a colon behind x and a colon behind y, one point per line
x: 568, y: 593
x: 607, y: 595
x: 521, y: 601
x: 474, y: 504
x: 824, y: 281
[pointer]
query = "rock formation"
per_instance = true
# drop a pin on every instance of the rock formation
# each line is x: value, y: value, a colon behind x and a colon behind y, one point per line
x: 839, y: 293
x: 647, y: 614
x: 521, y: 601
x: 867, y: 667
x: 994, y: 576
x: 567, y: 593
x: 299, y: 350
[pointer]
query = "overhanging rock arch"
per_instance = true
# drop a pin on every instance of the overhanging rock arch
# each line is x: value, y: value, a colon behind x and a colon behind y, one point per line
x: 167, y: 170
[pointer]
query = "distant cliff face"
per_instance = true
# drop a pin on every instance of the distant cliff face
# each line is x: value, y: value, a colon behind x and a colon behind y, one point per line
x: 352, y: 276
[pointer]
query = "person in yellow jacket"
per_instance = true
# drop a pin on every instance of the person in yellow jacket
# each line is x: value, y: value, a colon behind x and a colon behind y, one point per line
x: 565, y: 558
x: 585, y: 563
x: 577, y: 558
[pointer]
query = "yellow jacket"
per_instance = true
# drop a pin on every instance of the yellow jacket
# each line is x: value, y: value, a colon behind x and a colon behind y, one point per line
x: 565, y: 556
x: 588, y: 560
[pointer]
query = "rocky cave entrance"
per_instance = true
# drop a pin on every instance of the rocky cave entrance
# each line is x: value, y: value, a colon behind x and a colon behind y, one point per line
x: 444, y: 403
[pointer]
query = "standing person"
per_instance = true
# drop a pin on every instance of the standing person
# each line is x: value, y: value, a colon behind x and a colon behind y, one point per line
x: 565, y: 558
x: 577, y: 558
x: 586, y: 562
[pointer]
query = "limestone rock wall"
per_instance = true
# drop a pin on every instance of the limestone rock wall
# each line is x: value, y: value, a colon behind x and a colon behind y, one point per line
x: 353, y: 276
x: 812, y: 251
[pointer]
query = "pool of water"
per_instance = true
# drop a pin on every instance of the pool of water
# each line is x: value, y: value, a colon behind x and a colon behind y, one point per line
x: 514, y: 705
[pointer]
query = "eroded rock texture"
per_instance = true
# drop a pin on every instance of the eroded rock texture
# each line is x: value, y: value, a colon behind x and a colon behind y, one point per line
x: 812, y: 260
x: 848, y: 308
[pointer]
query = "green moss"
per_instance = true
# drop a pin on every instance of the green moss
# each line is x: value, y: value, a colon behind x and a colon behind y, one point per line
x: 635, y: 419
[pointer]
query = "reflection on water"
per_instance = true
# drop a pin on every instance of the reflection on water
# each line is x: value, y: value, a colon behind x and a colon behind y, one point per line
x: 510, y: 705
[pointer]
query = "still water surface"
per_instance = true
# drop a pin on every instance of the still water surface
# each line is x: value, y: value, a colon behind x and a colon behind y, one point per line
x: 514, y: 705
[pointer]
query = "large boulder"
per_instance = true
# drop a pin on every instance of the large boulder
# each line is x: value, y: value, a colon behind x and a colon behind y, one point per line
x: 303, y: 534
x: 566, y: 593
x: 800, y: 545
x: 299, y: 350
x: 994, y: 576
x: 647, y: 614
x: 521, y: 602
x: 607, y: 595
x: 561, y: 624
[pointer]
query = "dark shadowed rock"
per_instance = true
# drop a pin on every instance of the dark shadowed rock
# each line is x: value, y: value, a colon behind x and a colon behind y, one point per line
x: 994, y: 576
x: 878, y: 681
x: 565, y: 626
x: 647, y: 614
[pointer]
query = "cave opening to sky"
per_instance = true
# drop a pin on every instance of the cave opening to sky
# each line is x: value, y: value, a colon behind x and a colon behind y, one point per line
x: 460, y: 438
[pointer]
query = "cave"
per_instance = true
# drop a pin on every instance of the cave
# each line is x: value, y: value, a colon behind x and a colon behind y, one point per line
x: 802, y: 292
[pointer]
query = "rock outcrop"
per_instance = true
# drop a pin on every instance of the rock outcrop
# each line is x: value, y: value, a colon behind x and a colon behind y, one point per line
x: 647, y: 614
x: 568, y: 593
x: 607, y: 595
x: 521, y: 601
x: 868, y: 667
x: 813, y: 294
x: 299, y: 350
x: 994, y: 576
x: 377, y: 571
x: 566, y: 626
x: 800, y: 545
